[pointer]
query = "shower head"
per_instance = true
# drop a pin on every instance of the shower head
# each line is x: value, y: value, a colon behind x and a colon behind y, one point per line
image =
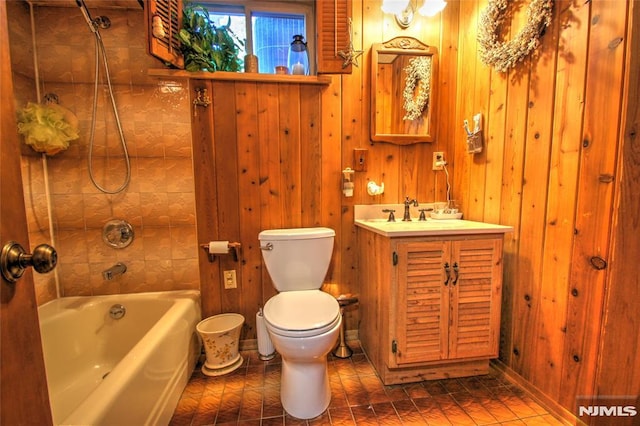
x: 87, y: 16
x: 94, y: 24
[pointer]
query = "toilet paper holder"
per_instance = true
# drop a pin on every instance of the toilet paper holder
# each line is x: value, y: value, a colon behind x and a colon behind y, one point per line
x: 234, y: 248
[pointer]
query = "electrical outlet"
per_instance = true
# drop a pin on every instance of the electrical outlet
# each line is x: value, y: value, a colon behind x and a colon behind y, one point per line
x: 438, y: 160
x: 230, y: 279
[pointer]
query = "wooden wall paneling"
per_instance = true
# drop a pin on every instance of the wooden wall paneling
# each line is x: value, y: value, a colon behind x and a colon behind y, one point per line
x: 511, y: 205
x: 248, y: 152
x: 480, y: 164
x: 447, y: 87
x: 467, y: 178
x: 595, y: 196
x: 556, y: 248
x: 270, y: 178
x: 352, y: 114
x: 226, y: 163
x: 494, y: 136
x: 618, y: 370
x: 410, y: 162
x: 384, y: 158
x: 416, y: 177
x: 290, y: 185
x: 311, y: 156
x: 352, y: 124
x: 330, y: 180
x: 206, y: 196
x: 493, y: 109
x: 534, y: 246
x: 371, y: 28
x: 494, y: 139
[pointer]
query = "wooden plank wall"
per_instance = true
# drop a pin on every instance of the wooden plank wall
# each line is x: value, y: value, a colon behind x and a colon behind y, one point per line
x: 619, y: 366
x: 549, y: 168
x: 269, y: 155
x: 260, y: 164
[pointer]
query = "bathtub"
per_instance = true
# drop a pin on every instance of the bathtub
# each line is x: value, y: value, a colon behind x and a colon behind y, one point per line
x: 127, y: 371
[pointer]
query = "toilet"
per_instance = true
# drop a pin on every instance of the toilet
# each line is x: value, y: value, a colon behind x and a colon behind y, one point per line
x: 302, y: 321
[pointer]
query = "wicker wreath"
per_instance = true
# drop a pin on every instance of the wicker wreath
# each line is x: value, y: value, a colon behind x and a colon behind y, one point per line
x: 505, y: 55
x: 418, y: 73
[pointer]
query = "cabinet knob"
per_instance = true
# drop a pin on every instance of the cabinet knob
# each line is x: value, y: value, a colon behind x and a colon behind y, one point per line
x: 447, y: 272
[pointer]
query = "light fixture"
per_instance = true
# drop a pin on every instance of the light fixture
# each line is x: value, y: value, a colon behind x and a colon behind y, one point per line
x: 404, y: 10
x: 432, y: 7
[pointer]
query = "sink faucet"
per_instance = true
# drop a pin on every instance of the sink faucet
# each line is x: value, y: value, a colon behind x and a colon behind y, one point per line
x: 117, y: 269
x: 407, y: 204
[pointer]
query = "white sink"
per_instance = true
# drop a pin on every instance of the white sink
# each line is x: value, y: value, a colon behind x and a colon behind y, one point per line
x: 429, y: 227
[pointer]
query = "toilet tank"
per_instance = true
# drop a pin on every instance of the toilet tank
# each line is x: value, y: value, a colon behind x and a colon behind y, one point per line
x: 297, y: 258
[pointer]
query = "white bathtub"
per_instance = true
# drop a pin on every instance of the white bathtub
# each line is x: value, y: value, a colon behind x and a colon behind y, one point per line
x: 128, y: 371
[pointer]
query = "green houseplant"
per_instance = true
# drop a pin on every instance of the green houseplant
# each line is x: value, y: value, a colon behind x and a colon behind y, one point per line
x: 205, y: 46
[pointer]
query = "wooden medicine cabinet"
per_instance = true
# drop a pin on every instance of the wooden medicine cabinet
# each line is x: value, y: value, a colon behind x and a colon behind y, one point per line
x: 404, y: 76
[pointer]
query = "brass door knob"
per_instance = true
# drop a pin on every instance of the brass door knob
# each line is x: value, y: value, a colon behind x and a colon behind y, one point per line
x: 14, y: 260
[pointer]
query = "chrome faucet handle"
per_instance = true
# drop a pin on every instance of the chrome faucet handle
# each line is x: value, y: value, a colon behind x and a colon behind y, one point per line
x: 392, y: 217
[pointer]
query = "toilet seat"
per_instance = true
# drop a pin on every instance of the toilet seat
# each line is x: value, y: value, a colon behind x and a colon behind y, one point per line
x: 302, y: 313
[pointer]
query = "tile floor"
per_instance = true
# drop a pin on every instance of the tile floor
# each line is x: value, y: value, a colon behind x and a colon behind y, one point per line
x: 250, y: 396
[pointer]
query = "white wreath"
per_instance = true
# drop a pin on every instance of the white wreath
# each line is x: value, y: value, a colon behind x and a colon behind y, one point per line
x: 505, y: 55
x: 418, y: 71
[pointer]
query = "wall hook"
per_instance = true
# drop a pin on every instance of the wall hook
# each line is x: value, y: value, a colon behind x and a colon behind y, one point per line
x: 201, y: 99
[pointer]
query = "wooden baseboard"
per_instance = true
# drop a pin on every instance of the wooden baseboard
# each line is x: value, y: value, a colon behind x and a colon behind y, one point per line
x: 558, y: 411
x: 436, y: 372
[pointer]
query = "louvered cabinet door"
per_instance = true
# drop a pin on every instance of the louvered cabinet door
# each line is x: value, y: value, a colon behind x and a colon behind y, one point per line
x: 422, y: 302
x: 475, y: 290
x: 167, y: 47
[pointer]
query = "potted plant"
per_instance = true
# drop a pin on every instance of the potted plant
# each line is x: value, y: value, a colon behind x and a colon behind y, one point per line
x: 205, y: 46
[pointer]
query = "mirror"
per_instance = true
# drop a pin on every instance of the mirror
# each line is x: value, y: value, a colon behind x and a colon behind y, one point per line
x: 404, y: 75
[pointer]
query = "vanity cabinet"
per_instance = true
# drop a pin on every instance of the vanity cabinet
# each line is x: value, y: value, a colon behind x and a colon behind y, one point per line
x: 430, y: 305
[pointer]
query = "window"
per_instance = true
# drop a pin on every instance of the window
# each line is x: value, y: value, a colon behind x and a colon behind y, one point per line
x: 267, y: 27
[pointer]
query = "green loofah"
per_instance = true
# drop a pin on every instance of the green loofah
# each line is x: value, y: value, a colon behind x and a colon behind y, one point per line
x: 47, y: 128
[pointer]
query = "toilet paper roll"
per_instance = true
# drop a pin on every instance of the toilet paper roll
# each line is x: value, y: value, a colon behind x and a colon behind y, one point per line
x: 218, y: 247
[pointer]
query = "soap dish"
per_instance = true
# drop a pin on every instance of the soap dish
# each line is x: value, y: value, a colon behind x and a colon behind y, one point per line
x: 435, y: 215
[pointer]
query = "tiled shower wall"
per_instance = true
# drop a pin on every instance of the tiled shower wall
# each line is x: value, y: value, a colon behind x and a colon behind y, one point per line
x: 159, y: 202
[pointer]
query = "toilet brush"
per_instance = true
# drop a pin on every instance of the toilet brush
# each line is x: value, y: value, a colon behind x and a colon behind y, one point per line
x: 343, y: 350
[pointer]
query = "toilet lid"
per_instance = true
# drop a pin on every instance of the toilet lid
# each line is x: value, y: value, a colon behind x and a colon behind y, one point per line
x: 304, y: 310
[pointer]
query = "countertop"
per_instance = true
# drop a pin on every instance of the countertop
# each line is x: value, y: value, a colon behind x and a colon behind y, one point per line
x: 369, y: 217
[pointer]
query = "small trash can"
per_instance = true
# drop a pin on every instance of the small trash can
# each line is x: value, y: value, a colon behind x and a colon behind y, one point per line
x: 221, y: 337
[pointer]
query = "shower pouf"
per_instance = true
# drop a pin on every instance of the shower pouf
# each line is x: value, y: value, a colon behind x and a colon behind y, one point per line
x: 47, y: 128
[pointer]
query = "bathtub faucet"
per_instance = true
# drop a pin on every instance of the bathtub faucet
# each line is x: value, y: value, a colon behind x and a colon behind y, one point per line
x: 117, y: 269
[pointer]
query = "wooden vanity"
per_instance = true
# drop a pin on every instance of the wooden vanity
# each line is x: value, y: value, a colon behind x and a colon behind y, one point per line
x: 430, y: 297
